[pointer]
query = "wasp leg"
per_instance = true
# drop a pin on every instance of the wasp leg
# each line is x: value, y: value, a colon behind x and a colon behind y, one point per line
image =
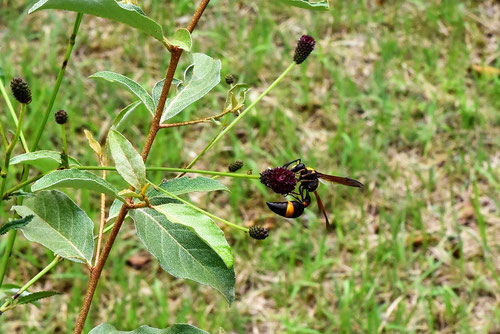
x: 291, y: 162
x: 323, y: 210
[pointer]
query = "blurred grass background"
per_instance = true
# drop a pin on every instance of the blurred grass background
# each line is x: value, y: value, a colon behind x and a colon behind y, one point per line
x: 390, y: 97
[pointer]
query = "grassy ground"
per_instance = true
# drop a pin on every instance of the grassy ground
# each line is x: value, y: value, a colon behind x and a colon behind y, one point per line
x: 389, y: 97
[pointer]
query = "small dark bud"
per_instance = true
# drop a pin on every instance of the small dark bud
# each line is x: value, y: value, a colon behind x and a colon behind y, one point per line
x: 235, y: 166
x: 258, y: 232
x: 279, y: 179
x: 305, y: 46
x: 61, y: 116
x: 230, y: 79
x: 21, y: 90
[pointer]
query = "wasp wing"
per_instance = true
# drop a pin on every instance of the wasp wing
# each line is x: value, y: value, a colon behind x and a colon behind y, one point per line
x: 340, y: 180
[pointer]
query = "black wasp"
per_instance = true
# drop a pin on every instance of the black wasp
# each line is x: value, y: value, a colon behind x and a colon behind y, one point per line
x: 309, y: 181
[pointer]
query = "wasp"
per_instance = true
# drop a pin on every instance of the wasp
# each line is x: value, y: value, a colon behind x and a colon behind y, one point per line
x: 308, y: 179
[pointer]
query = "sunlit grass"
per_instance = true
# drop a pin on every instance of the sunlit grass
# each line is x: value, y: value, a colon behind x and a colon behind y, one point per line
x: 388, y: 97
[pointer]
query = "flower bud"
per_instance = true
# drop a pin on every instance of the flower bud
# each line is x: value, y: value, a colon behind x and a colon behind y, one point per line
x: 21, y: 90
x: 230, y: 79
x: 61, y: 116
x: 258, y: 232
x: 235, y: 166
x: 305, y: 46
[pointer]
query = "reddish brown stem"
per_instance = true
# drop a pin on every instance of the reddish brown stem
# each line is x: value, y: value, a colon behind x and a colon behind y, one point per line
x: 95, y: 272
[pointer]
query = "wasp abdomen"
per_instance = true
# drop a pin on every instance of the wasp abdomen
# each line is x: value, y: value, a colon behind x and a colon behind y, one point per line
x: 290, y: 209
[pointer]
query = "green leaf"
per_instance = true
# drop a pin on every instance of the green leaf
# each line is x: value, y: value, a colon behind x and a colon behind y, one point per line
x: 59, y: 224
x: 158, y: 87
x: 122, y: 119
x: 110, y: 9
x: 182, y: 39
x: 175, y: 329
x: 236, y: 96
x: 313, y: 5
x: 43, y: 160
x: 133, y: 86
x: 75, y: 178
x: 15, y: 224
x: 199, y: 79
x: 128, y: 162
x: 181, y: 252
x: 184, y: 185
x: 202, y: 225
x: 36, y: 296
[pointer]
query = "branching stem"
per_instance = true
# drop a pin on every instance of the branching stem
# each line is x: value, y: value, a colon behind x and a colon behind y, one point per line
x: 95, y: 273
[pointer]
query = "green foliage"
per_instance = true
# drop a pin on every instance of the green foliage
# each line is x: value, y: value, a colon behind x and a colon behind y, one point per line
x: 199, y: 79
x: 202, y: 225
x: 109, y: 9
x: 32, y: 298
x: 175, y: 329
x: 182, y: 253
x: 43, y: 160
x: 312, y: 5
x: 75, y: 178
x: 15, y: 224
x: 236, y: 96
x: 185, y: 185
x: 133, y: 86
x: 58, y: 224
x: 122, y: 119
x: 182, y: 39
x: 128, y: 162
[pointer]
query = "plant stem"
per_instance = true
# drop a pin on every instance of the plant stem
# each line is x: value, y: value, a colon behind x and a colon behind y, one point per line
x: 95, y: 272
x: 65, y: 146
x: 12, y: 114
x: 24, y: 176
x: 196, y: 121
x: 199, y: 209
x: 32, y: 281
x: 4, y: 138
x: 12, y: 234
x: 8, y: 153
x: 59, y: 79
x: 237, y: 119
x: 22, y: 184
x: 176, y: 170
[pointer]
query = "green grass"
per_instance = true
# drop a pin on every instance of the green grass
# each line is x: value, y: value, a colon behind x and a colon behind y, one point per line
x: 388, y: 98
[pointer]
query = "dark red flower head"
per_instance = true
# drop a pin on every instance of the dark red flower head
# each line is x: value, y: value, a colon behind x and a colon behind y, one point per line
x: 279, y: 179
x: 305, y: 46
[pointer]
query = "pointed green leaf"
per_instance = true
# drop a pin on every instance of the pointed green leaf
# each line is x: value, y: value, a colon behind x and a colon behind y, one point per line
x: 128, y: 162
x: 199, y: 79
x: 15, y: 224
x: 43, y: 160
x: 109, y: 9
x: 36, y: 296
x: 133, y: 86
x: 75, y: 178
x: 313, y: 5
x: 236, y: 96
x: 122, y: 119
x: 58, y: 224
x: 202, y: 225
x: 182, y: 39
x: 184, y: 185
x: 181, y: 252
x: 175, y: 329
